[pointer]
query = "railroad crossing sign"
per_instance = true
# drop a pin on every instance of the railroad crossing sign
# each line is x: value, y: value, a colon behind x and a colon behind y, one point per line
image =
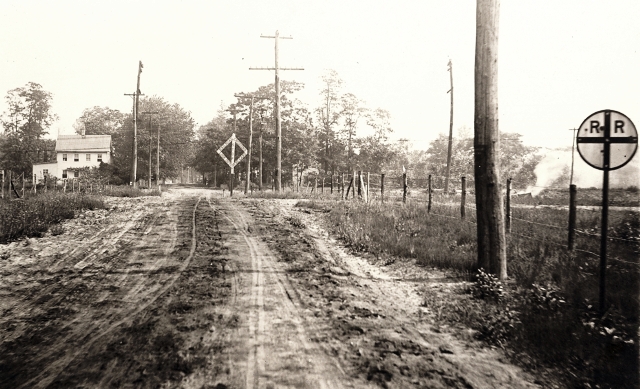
x: 607, y: 140
x: 234, y: 141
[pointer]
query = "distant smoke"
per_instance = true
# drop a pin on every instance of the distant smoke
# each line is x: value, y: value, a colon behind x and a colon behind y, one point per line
x: 555, y: 167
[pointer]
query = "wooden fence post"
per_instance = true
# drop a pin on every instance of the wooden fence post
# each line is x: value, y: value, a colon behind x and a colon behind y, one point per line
x: 35, y: 184
x: 353, y: 190
x: 382, y: 187
x: 349, y: 188
x: 508, y: 207
x: 315, y: 185
x: 368, y: 182
x: 11, y: 186
x: 404, y: 187
x: 322, y: 185
x: 359, y: 184
x: 342, y: 187
x: 572, y: 216
x: 463, y: 196
x: 331, y: 184
x: 365, y: 197
x: 429, y: 190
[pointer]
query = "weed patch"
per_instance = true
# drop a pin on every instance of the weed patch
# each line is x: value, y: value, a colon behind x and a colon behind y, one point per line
x: 32, y: 217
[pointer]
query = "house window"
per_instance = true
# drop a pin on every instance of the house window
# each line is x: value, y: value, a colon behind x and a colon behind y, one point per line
x: 64, y: 157
x: 76, y: 173
x: 76, y: 157
x: 99, y: 157
x: 88, y: 157
x: 64, y: 174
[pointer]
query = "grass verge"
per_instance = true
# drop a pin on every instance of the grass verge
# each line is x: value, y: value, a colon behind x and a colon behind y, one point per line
x: 33, y: 216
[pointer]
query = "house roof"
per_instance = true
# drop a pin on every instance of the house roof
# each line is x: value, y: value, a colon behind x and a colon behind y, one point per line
x: 83, y: 143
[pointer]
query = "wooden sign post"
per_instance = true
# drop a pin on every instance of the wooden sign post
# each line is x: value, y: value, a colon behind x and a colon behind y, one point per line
x: 606, y: 140
x: 233, y: 162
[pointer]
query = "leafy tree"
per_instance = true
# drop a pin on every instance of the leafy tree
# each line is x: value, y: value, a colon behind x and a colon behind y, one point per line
x: 299, y: 145
x: 209, y: 138
x: 461, y: 159
x: 329, y: 116
x: 375, y: 150
x: 176, y: 137
x: 353, y: 110
x: 516, y: 160
x: 27, y: 119
x: 101, y: 121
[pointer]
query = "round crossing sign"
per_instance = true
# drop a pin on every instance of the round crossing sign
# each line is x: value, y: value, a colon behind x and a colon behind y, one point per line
x: 607, y: 140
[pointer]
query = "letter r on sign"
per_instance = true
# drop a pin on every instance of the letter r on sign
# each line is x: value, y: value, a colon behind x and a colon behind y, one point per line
x: 595, y: 125
x: 619, y: 125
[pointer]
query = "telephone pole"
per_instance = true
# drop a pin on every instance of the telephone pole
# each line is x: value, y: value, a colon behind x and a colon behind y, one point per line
x: 150, y: 113
x: 158, y: 159
x: 260, y: 170
x: 277, y: 37
x: 490, y: 211
x: 248, y: 182
x: 446, y: 179
x: 136, y: 100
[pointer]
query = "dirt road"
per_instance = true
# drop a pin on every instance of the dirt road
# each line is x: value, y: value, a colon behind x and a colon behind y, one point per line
x: 196, y: 291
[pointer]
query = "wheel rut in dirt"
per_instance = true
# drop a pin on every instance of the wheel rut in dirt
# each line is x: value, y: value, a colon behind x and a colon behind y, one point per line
x: 369, y: 322
x: 278, y: 351
x: 195, y: 291
x: 120, y: 319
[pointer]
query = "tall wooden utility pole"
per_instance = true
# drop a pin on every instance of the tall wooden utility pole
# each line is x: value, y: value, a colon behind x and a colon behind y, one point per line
x: 260, y: 154
x: 150, y: 113
x: 136, y: 100
x: 490, y: 212
x: 278, y: 120
x: 248, y: 183
x: 158, y: 158
x: 446, y: 179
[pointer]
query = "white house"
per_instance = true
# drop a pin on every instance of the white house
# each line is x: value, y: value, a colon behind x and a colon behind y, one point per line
x: 74, y: 152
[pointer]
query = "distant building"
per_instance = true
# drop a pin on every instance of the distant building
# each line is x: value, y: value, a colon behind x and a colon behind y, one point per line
x: 74, y: 152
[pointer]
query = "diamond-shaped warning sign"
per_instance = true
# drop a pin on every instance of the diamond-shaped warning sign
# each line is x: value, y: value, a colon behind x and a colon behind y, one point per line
x: 234, y: 141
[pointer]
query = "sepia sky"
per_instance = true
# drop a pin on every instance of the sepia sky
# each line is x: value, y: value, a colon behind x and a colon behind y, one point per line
x: 559, y: 61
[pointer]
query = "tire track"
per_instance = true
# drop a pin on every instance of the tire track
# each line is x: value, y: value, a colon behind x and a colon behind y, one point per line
x: 262, y: 263
x: 48, y: 374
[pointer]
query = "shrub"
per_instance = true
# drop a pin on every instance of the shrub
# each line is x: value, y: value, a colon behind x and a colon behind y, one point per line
x: 487, y: 287
x: 498, y: 325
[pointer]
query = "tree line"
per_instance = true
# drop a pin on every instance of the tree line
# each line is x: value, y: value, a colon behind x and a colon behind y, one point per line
x: 339, y: 135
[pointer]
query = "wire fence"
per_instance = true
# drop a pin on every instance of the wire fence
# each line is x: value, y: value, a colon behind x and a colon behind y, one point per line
x: 526, y: 217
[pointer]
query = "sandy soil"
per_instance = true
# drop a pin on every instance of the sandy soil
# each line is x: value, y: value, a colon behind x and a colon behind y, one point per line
x: 193, y: 290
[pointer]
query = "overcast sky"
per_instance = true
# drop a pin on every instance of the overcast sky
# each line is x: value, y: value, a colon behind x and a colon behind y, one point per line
x: 559, y: 61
